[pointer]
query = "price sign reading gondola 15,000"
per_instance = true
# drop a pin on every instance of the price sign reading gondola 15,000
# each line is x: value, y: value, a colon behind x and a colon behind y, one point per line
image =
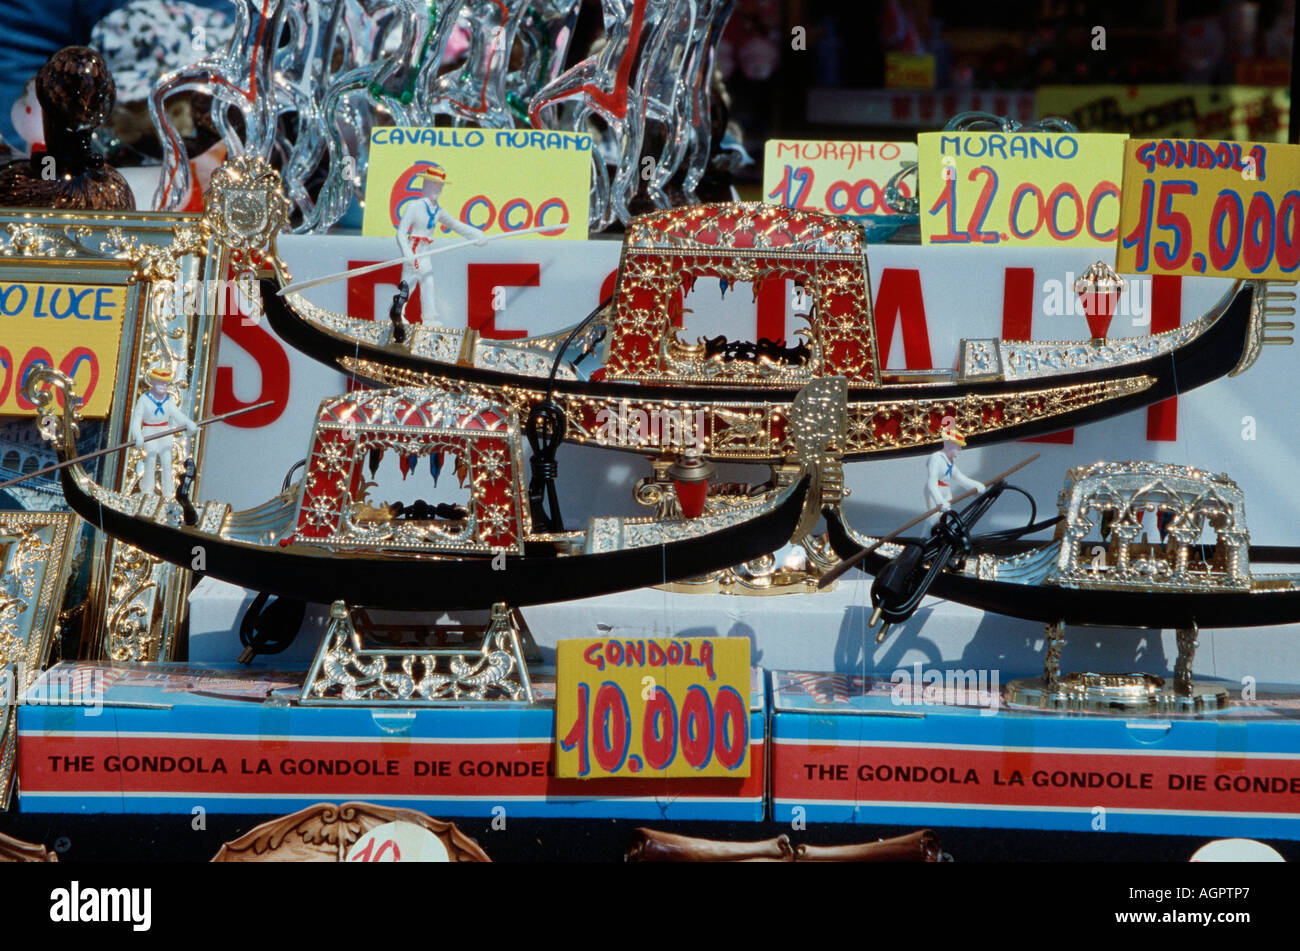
x: 1219, y: 209
x: 652, y: 707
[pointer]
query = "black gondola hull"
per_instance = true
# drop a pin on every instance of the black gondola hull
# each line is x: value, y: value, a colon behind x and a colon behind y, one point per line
x: 1211, y: 355
x: 406, y: 583
x: 1096, y: 607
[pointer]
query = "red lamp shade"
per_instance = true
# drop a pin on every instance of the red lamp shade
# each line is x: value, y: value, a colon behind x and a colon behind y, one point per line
x: 691, y: 476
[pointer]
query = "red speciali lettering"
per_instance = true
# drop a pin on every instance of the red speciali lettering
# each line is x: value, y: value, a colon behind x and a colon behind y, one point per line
x: 273, y: 363
x: 361, y: 292
x: 1166, y: 314
x: 1018, y: 324
x: 899, y: 299
x: 771, y: 310
x: 483, y: 280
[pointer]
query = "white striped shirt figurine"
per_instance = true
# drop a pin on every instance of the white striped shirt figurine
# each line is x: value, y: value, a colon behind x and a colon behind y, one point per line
x: 941, y: 474
x: 155, y: 410
x: 416, y: 228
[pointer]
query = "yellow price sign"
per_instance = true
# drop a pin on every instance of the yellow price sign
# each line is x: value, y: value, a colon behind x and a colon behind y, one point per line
x: 1220, y: 209
x: 1034, y: 189
x: 498, y: 180
x: 840, y: 178
x: 74, y: 328
x: 652, y: 707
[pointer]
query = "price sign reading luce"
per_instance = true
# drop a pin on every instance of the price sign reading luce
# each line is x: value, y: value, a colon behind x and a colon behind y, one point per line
x: 842, y: 178
x: 652, y: 707
x: 1221, y: 209
x: 1038, y: 189
x: 74, y: 328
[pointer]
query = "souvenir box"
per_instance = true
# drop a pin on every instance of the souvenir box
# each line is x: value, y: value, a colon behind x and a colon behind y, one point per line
x: 168, y: 738
x: 936, y: 747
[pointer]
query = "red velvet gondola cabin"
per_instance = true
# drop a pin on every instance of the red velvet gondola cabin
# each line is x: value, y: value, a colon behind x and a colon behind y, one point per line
x: 482, y: 437
x: 665, y: 252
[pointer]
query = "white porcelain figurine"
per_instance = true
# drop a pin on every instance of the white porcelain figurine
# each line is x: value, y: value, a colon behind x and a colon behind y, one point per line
x: 154, y: 411
x: 941, y: 473
x: 415, y: 230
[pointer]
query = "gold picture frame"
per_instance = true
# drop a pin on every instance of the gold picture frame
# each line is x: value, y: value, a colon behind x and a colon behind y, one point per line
x: 172, y: 267
x: 36, y: 550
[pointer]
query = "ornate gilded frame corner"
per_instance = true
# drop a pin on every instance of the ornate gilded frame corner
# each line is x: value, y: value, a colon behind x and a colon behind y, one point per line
x: 36, y: 551
x: 325, y: 832
x: 177, y: 271
x: 134, y: 604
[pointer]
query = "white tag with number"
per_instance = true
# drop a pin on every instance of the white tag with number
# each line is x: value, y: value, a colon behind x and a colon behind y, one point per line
x: 398, y: 842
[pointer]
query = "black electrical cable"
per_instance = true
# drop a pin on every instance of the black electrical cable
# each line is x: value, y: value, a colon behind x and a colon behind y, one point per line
x: 559, y: 353
x: 269, y: 628
x: 288, y: 476
x: 899, y: 587
x: 545, y: 429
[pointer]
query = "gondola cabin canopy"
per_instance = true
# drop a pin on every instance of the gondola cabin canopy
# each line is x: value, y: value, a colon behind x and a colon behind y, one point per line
x: 1121, y: 502
x: 665, y: 252
x: 483, y: 438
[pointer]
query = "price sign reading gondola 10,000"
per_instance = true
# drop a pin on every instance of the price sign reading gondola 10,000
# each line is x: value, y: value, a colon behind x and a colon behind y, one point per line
x: 652, y: 707
x: 1218, y: 209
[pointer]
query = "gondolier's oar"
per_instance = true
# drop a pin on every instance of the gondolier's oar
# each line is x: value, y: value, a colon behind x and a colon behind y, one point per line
x: 848, y: 563
x: 328, y: 278
x: 126, y: 445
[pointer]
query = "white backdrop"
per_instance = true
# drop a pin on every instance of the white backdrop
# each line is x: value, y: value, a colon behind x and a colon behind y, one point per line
x: 961, y: 293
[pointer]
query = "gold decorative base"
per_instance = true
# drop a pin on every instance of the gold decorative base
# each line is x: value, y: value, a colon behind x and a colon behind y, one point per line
x: 760, y: 578
x: 763, y: 576
x: 345, y: 673
x: 1115, y: 693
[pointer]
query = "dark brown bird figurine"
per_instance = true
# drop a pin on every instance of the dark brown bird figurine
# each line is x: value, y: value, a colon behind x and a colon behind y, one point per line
x: 76, y: 93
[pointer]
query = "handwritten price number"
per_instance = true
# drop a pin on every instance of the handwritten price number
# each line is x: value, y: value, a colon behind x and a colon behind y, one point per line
x: 371, y: 853
x: 1268, y: 232
x: 13, y: 377
x: 515, y: 214
x: 796, y: 186
x: 704, y: 729
x: 1045, y: 210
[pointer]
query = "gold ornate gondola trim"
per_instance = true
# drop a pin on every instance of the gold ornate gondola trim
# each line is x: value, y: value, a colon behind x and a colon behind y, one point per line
x: 759, y: 431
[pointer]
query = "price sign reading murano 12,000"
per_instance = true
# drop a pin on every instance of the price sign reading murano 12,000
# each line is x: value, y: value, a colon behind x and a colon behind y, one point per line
x: 652, y: 707
x: 1027, y: 189
x: 1219, y: 209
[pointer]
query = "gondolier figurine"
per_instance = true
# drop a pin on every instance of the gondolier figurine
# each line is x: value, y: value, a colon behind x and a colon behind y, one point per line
x: 155, y: 411
x: 941, y: 473
x: 416, y: 228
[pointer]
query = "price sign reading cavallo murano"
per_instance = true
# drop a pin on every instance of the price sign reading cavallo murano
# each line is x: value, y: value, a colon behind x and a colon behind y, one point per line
x: 663, y: 707
x: 1219, y: 209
